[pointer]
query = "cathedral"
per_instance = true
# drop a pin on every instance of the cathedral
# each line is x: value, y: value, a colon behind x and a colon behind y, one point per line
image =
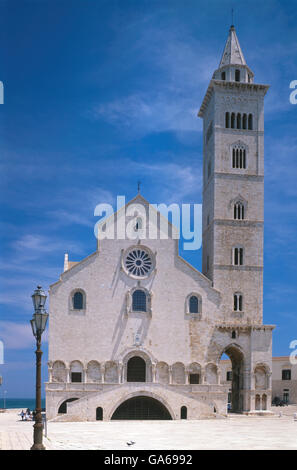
x: 135, y: 331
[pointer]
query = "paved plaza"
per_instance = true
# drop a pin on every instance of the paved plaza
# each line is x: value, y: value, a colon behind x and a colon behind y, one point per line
x: 234, y: 432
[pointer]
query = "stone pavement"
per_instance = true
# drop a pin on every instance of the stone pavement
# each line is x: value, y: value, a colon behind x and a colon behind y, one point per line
x: 16, y: 434
x: 234, y: 432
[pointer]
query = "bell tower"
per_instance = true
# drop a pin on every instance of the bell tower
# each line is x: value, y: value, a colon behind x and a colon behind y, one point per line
x: 233, y: 185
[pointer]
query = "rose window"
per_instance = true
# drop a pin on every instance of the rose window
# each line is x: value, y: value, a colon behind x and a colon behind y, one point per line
x: 138, y: 262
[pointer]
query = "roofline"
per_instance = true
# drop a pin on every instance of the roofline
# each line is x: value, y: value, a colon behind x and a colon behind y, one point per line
x: 223, y: 83
x: 72, y: 267
x: 104, y: 221
x: 199, y: 272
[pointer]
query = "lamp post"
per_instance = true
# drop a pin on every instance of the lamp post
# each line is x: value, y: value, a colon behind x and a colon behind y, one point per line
x: 38, y: 324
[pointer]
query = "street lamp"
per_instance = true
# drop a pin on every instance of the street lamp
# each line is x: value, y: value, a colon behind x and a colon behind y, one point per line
x: 38, y: 324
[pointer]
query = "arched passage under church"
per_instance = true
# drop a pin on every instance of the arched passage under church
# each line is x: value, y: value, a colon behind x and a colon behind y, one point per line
x: 136, y: 369
x: 237, y: 360
x: 63, y: 406
x: 142, y: 408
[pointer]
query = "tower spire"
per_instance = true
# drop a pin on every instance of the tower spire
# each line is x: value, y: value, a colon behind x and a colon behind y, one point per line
x: 232, y: 54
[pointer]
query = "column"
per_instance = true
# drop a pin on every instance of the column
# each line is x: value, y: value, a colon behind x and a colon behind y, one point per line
x: 154, y: 371
x: 246, y: 386
x: 102, y: 369
x: 84, y: 375
x: 269, y: 377
x: 202, y: 376
x: 170, y: 374
x: 120, y: 370
x: 219, y: 374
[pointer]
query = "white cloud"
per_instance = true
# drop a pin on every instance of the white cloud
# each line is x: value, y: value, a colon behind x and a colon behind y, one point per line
x: 145, y: 113
x: 176, y: 181
x: 170, y: 102
x: 17, y: 335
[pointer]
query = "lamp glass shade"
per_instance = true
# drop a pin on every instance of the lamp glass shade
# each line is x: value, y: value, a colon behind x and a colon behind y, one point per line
x: 33, y: 325
x: 38, y: 298
x: 40, y: 321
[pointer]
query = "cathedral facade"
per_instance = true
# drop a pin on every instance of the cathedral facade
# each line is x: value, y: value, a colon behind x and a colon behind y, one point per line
x: 135, y: 331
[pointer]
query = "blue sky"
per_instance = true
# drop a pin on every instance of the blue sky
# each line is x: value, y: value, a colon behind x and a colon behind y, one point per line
x: 99, y: 94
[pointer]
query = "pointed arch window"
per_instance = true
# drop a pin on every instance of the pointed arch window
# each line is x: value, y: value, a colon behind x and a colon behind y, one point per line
x: 138, y: 225
x: 238, y: 302
x: 239, y: 157
x: 250, y: 123
x: 232, y: 120
x: 238, y: 211
x: 238, y: 256
x: 227, y: 120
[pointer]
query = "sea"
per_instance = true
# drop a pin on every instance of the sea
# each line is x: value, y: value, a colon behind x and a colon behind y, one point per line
x: 22, y: 403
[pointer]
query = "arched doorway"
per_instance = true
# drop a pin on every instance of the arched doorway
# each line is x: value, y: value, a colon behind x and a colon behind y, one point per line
x: 183, y: 412
x: 63, y: 406
x: 235, y: 396
x: 141, y: 408
x: 136, y: 369
x: 99, y: 413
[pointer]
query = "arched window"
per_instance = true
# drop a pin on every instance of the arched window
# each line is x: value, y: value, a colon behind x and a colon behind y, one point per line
x: 136, y: 369
x: 223, y: 75
x: 238, y: 211
x: 227, y: 120
x: 238, y: 256
x: 244, y: 118
x: 76, y: 371
x: 138, y: 225
x: 59, y: 372
x: 99, y: 413
x: 183, y: 412
x: 139, y: 301
x: 232, y: 120
x: 237, y: 75
x: 237, y: 301
x: 238, y: 121
x: 250, y: 122
x: 193, y: 304
x: 238, y: 156
x: 78, y: 300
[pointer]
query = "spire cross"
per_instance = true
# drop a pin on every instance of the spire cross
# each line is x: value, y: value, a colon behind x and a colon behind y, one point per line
x: 138, y: 187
